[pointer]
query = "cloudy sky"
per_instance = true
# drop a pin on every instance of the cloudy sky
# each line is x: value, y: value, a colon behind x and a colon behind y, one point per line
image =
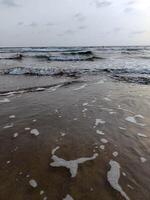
x: 74, y: 22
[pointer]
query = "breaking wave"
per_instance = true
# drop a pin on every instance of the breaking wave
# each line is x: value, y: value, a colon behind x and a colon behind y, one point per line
x: 79, y: 53
x: 127, y: 71
x: 141, y: 76
x: 42, y: 71
x: 11, y: 57
x: 74, y: 57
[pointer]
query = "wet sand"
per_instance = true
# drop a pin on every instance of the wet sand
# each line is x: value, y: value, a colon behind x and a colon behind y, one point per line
x: 98, y: 115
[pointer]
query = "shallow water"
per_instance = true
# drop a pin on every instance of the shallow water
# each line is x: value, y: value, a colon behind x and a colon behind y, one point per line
x: 92, y: 115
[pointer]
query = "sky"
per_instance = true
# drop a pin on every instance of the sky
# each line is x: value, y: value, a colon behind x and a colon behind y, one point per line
x: 74, y: 22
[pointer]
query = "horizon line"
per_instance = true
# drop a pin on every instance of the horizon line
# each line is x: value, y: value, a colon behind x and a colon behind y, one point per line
x: 74, y: 46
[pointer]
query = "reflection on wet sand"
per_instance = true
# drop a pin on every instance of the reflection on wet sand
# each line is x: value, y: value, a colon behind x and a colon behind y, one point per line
x: 104, y: 147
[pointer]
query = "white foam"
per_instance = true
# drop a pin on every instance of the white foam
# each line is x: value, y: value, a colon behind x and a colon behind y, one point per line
x: 34, y: 132
x: 72, y: 165
x: 33, y: 183
x: 133, y: 120
x: 41, y: 192
x: 143, y: 160
x: 115, y: 153
x: 8, y: 126
x: 142, y: 135
x: 85, y: 104
x: 81, y: 87
x: 27, y: 129
x: 99, y: 121
x: 15, y: 135
x: 113, y: 177
x: 8, y: 162
x: 103, y: 140
x: 94, y: 100
x: 40, y: 89
x: 119, y: 107
x: 100, y: 82
x: 5, y: 100
x: 12, y: 116
x: 100, y: 132
x: 54, y: 150
x: 75, y: 119
x: 62, y: 134
x: 122, y: 128
x: 124, y: 174
x: 56, y: 111
x: 129, y: 186
x: 139, y: 116
x: 112, y: 113
x: 84, y: 110
x: 102, y: 147
x: 53, y: 89
x: 107, y: 99
x: 68, y: 197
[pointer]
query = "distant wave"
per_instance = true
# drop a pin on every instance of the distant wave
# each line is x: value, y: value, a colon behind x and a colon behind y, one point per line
x: 12, y: 57
x: 144, y: 57
x: 74, y: 57
x: 79, y: 53
x: 42, y: 71
x: 140, y: 76
x: 65, y: 56
x: 127, y: 71
x: 122, y: 74
x: 134, y: 78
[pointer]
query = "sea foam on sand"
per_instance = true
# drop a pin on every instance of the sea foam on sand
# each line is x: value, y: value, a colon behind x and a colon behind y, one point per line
x: 72, y: 165
x: 99, y: 121
x: 4, y: 100
x: 113, y: 177
x: 133, y: 119
x: 33, y: 183
x: 34, y: 132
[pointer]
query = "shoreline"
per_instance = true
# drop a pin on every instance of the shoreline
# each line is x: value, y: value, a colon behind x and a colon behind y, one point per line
x: 70, y: 117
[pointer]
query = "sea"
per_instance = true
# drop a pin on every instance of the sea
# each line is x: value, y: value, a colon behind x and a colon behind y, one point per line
x: 122, y: 63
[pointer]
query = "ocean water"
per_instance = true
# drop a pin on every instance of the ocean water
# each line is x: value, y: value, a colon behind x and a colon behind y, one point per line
x: 75, y: 120
x: 126, y: 63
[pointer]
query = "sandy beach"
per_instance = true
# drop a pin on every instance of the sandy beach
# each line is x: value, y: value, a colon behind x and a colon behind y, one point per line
x: 74, y: 100
x: 85, y: 140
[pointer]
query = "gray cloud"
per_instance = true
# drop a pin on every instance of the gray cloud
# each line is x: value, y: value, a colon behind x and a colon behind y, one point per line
x: 33, y: 24
x: 79, y: 17
x: 82, y: 27
x: 9, y: 3
x: 131, y: 2
x: 102, y: 3
x: 20, y: 23
x: 74, y: 22
x: 50, y: 24
x: 69, y: 32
